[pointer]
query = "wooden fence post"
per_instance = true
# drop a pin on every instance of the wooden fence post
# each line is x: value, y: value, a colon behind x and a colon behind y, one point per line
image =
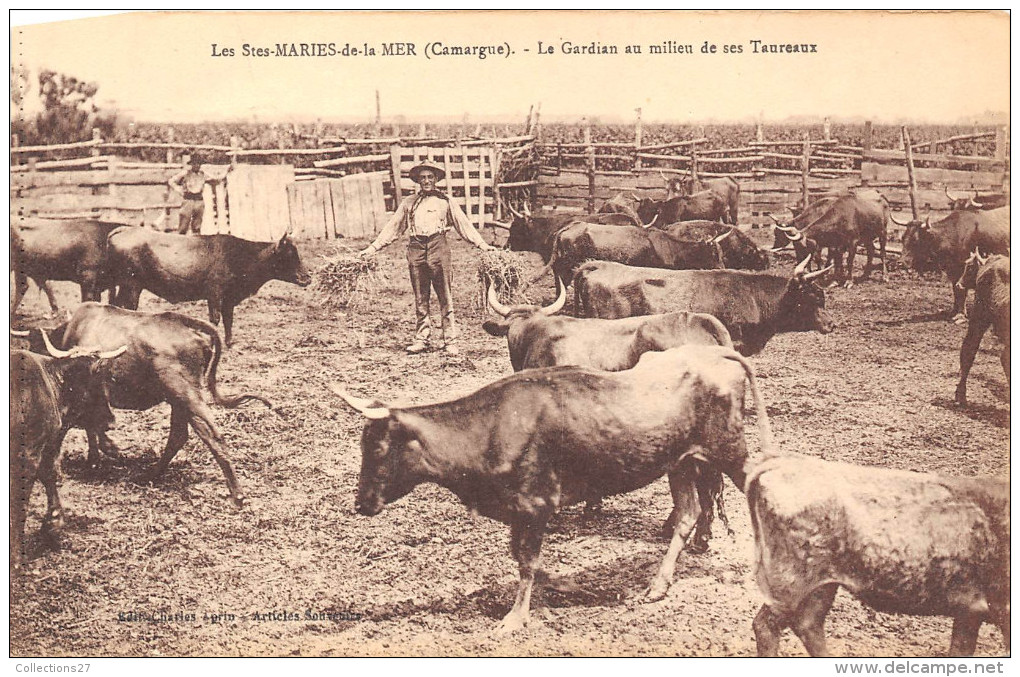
x: 866, y: 149
x: 527, y: 120
x: 637, y: 139
x: 96, y: 136
x: 805, y: 167
x: 905, y: 139
x: 1000, y: 143
x: 398, y: 194
x: 559, y: 158
x: 759, y: 132
x: 170, y: 151
x: 234, y: 147
x: 827, y: 129
x: 694, y: 167
x: 589, y: 151
x: 534, y: 129
x: 378, y: 116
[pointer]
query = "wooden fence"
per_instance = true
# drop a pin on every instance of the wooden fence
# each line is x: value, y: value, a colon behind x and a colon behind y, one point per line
x: 335, y: 197
x: 774, y: 175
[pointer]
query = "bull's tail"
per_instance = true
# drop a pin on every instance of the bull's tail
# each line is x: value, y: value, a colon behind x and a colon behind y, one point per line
x: 768, y: 445
x: 230, y: 402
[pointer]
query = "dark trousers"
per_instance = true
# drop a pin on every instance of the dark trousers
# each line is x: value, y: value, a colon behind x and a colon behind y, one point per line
x: 428, y: 260
x: 191, y: 216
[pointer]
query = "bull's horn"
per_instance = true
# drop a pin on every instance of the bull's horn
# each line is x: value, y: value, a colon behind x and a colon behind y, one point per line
x: 898, y: 223
x: 927, y: 222
x: 367, y: 408
x: 560, y: 301
x: 976, y: 204
x: 795, y: 236
x: 818, y: 273
x: 20, y: 334
x: 802, y: 266
x: 949, y: 195
x: 499, y: 224
x: 514, y: 211
x: 634, y: 197
x: 49, y: 346
x: 982, y: 260
x: 723, y: 236
x: 775, y: 221
x: 110, y: 354
x: 652, y: 222
x: 663, y: 175
x: 493, y: 299
x: 527, y: 209
x: 776, y: 250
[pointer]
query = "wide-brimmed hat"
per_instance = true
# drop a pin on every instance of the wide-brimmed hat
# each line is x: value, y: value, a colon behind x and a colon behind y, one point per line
x: 416, y: 171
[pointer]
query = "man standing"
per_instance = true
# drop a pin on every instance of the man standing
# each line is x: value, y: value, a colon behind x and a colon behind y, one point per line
x: 191, y: 182
x: 427, y: 216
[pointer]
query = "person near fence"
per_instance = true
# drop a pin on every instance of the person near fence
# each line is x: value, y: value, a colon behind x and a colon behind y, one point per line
x: 191, y: 181
x: 427, y: 216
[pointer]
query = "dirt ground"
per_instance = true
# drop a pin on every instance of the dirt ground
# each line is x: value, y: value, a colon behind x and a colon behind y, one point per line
x: 425, y: 577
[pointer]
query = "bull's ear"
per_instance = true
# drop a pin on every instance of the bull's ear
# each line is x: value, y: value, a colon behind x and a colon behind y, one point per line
x: 370, y: 409
x: 496, y: 327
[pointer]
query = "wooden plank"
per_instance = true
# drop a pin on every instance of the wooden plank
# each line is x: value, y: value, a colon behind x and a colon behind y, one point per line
x: 464, y: 203
x: 952, y: 177
x: 297, y: 226
x: 985, y: 162
x: 379, y: 216
x: 352, y: 205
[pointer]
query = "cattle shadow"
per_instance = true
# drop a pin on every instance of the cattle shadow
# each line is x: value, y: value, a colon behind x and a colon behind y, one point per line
x: 608, y: 522
x: 619, y: 583
x: 134, y: 471
x: 982, y: 413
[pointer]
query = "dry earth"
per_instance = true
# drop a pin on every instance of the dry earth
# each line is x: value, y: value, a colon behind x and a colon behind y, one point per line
x: 425, y: 576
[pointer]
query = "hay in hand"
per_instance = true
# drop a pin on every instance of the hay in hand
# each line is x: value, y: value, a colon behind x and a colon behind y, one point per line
x: 344, y: 277
x: 507, y: 270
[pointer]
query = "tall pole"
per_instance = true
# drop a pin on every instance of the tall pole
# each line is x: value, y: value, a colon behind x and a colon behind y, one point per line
x: 905, y: 137
x: 637, y: 139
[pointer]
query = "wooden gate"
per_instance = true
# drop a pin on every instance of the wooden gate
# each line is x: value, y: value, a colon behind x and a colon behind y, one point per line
x: 256, y: 200
x: 470, y: 175
x: 354, y: 206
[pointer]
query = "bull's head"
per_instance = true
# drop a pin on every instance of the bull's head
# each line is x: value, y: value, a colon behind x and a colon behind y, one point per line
x: 520, y: 228
x: 968, y: 278
x: 967, y: 202
x: 802, y: 307
x: 286, y: 263
x: 391, y: 453
x: 920, y: 247
x: 522, y: 311
x: 86, y: 379
x: 648, y: 210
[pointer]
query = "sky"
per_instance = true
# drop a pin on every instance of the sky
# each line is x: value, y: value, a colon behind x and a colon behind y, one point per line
x: 933, y: 67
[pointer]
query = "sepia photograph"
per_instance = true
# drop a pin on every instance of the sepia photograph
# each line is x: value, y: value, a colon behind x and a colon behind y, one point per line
x: 510, y: 334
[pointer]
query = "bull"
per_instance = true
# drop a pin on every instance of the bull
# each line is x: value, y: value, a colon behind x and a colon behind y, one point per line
x: 946, y: 244
x: 738, y: 250
x: 623, y: 204
x: 901, y: 542
x: 537, y: 337
x: 630, y: 245
x: 726, y: 188
x: 49, y: 396
x: 523, y: 447
x: 170, y: 358
x: 978, y: 201
x: 538, y: 233
x: 221, y: 269
x: 989, y: 278
x: 50, y: 249
x: 701, y: 206
x: 847, y: 221
x: 752, y: 306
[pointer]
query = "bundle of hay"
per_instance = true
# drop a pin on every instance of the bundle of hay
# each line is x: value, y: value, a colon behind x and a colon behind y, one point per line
x: 344, y: 277
x: 507, y: 270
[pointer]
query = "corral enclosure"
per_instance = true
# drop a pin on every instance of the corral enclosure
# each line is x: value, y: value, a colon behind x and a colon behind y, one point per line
x: 298, y: 573
x: 326, y: 186
x: 425, y: 576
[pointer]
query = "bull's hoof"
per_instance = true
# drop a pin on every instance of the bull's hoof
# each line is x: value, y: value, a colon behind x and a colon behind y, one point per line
x: 959, y: 319
x: 961, y: 398
x: 698, y: 545
x: 511, y: 623
x: 848, y: 284
x: 656, y: 591
x: 238, y: 501
x: 592, y: 509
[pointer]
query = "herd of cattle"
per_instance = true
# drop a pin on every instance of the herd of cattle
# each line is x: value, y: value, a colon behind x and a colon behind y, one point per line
x: 648, y: 379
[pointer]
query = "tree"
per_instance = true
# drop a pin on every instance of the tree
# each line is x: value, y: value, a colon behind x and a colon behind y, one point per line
x: 69, y: 112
